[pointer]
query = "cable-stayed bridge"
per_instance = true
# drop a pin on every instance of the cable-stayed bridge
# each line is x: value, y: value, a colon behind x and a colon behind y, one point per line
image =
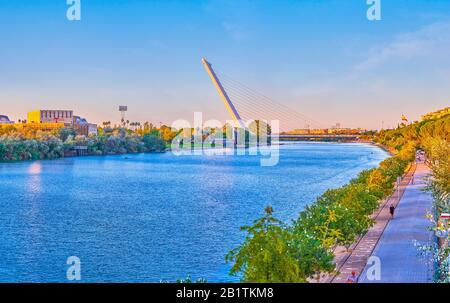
x: 244, y: 104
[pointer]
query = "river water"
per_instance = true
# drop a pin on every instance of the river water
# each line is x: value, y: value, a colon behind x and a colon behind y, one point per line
x: 153, y: 217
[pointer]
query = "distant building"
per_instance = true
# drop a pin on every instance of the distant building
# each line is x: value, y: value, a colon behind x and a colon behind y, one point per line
x: 346, y: 131
x: 83, y: 127
x: 304, y: 131
x: 319, y: 131
x: 5, y: 120
x: 78, y: 120
x: 51, y: 116
x: 308, y: 131
x: 62, y: 118
x: 326, y: 131
x: 86, y: 129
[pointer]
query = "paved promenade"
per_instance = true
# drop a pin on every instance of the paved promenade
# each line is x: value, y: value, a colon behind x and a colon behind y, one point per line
x: 399, y: 260
x: 392, y: 240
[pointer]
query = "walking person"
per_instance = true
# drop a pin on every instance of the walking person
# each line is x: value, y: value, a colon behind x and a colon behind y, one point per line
x: 352, y: 278
x: 392, y: 210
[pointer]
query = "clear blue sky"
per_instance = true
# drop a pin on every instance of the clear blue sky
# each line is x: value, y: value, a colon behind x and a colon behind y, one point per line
x: 323, y: 58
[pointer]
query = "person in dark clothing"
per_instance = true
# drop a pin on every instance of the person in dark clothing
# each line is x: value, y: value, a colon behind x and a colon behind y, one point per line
x: 392, y: 210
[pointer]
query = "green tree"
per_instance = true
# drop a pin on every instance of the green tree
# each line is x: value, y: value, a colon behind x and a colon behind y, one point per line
x: 66, y: 132
x: 153, y: 143
x: 265, y: 255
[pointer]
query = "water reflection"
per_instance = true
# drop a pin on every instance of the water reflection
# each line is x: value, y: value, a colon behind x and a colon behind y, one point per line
x: 33, y: 183
x: 154, y: 216
x: 35, y: 168
x: 32, y: 211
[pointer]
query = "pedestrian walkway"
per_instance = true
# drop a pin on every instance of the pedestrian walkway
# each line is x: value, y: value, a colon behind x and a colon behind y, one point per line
x: 356, y: 259
x: 399, y: 258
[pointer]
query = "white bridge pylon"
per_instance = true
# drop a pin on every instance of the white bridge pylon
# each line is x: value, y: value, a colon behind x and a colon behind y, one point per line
x: 223, y: 95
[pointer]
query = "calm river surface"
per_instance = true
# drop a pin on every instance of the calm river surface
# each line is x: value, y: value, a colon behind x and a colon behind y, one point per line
x: 154, y: 217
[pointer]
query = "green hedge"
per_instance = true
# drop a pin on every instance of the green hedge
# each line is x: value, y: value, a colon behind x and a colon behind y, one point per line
x: 276, y: 252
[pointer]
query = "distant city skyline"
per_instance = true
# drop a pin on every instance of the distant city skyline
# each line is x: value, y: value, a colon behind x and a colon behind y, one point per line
x: 322, y: 58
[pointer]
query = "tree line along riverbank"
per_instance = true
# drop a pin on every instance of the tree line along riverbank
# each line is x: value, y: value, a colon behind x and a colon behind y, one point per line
x: 17, y: 145
x: 275, y: 251
x: 28, y: 143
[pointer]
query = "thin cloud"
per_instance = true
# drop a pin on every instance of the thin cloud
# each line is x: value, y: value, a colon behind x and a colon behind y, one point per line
x: 432, y: 40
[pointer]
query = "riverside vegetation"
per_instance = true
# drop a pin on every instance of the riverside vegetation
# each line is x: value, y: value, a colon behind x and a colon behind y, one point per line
x: 29, y: 144
x: 432, y: 135
x: 274, y: 251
